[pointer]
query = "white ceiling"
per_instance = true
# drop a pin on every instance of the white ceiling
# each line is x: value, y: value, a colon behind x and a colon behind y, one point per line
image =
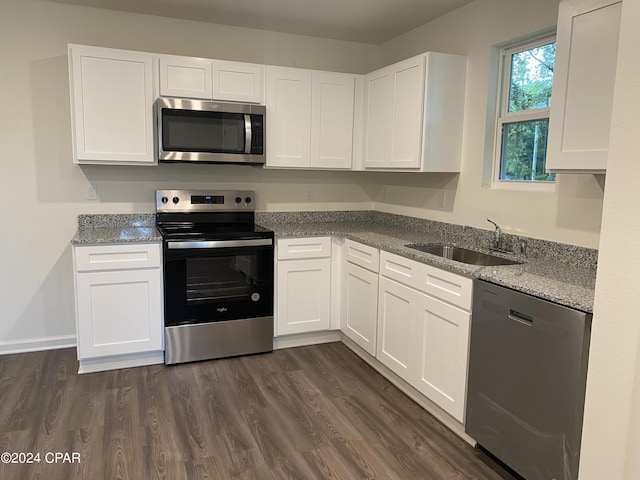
x: 368, y: 21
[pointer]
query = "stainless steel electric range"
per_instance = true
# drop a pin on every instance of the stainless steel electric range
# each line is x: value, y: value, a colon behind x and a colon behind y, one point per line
x: 218, y: 275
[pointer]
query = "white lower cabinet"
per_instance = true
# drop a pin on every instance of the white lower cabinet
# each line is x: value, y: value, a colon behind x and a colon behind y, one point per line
x: 119, y: 315
x: 360, y: 306
x: 397, y: 307
x: 422, y: 338
x: 303, y: 293
x: 359, y: 312
x: 442, y: 337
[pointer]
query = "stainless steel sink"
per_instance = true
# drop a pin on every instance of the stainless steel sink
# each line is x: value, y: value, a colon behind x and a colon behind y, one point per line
x: 463, y: 255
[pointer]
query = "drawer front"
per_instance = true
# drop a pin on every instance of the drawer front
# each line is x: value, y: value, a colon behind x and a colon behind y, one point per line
x: 362, y: 255
x: 308, y: 247
x: 446, y: 286
x: 117, y: 257
x: 400, y: 269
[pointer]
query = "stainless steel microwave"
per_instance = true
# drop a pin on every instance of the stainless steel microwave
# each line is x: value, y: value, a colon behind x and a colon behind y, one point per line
x: 210, y: 132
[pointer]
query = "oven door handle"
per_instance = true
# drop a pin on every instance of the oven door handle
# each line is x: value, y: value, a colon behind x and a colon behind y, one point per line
x: 258, y: 242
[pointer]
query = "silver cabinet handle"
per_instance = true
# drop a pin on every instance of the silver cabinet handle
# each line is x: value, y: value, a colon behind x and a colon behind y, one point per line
x: 259, y: 242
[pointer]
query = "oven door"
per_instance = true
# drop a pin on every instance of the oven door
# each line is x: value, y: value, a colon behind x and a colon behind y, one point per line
x: 213, y: 281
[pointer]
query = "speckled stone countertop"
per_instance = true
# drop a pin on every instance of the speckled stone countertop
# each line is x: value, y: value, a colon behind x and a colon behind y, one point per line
x: 561, y: 273
x: 116, y: 228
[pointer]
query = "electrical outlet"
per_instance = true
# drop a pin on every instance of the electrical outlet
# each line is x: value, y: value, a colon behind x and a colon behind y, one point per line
x: 309, y: 193
x: 92, y: 193
x: 442, y: 199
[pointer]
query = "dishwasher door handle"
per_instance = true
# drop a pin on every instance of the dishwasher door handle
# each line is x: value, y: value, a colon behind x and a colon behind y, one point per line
x: 520, y: 317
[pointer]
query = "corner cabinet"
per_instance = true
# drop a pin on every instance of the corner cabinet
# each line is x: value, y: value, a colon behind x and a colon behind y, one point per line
x: 582, y: 97
x: 303, y: 285
x: 414, y: 114
x: 310, y: 119
x: 119, y: 306
x: 112, y: 94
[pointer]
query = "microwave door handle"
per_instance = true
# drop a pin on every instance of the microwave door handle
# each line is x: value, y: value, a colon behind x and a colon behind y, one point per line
x: 247, y: 134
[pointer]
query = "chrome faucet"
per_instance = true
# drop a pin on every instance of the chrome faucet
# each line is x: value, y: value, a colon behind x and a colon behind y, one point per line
x: 496, y: 235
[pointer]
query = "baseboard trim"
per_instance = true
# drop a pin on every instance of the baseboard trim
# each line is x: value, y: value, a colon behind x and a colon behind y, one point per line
x: 37, y: 344
x: 305, y: 339
x: 99, y: 364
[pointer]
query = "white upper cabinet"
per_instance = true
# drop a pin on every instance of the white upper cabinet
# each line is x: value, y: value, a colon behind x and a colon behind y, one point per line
x: 583, y: 85
x: 310, y: 118
x: 191, y: 77
x: 288, y: 117
x: 238, y: 82
x: 186, y: 77
x: 112, y: 94
x: 332, y: 97
x: 414, y: 114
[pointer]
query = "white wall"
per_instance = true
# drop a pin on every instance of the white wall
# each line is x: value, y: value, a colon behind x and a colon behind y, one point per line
x: 43, y: 192
x: 611, y: 434
x: 571, y: 215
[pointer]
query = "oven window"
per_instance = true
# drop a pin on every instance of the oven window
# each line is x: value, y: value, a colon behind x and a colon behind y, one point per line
x: 211, y: 285
x: 198, y: 131
x: 219, y: 278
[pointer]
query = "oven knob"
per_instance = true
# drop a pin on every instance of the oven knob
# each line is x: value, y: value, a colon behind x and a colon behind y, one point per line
x: 164, y: 199
x: 176, y: 200
x: 238, y: 200
x: 247, y: 200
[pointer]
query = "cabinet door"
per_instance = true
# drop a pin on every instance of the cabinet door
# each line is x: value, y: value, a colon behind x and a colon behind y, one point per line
x: 397, y: 306
x: 360, y: 306
x: 237, y: 82
x: 112, y: 99
x: 303, y: 296
x: 406, y: 137
x: 379, y: 118
x: 582, y: 99
x: 332, y: 120
x: 119, y: 312
x: 288, y: 117
x: 185, y: 77
x: 442, y: 334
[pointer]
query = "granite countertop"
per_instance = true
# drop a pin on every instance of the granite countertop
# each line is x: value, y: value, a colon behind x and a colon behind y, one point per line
x: 565, y: 276
x: 97, y: 229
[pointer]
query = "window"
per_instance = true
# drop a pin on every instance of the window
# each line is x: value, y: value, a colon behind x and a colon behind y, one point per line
x: 523, y: 115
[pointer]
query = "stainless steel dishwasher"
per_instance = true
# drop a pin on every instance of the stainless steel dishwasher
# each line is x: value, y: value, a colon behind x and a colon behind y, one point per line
x: 527, y: 375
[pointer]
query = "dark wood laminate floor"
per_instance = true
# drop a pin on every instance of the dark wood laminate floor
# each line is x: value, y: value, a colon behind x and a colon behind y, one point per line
x: 305, y: 413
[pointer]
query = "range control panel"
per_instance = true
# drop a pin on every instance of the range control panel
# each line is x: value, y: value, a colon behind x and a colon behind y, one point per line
x: 168, y: 201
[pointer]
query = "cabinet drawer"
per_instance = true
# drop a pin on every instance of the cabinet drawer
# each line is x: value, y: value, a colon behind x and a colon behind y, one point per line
x: 442, y: 284
x: 363, y: 255
x: 117, y: 257
x: 308, y: 247
x: 447, y: 286
x: 400, y: 269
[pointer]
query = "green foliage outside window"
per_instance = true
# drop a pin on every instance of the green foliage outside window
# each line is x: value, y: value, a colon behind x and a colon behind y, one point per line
x: 524, y: 143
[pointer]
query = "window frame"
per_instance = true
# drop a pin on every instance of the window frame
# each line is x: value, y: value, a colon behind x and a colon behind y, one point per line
x: 503, y: 116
